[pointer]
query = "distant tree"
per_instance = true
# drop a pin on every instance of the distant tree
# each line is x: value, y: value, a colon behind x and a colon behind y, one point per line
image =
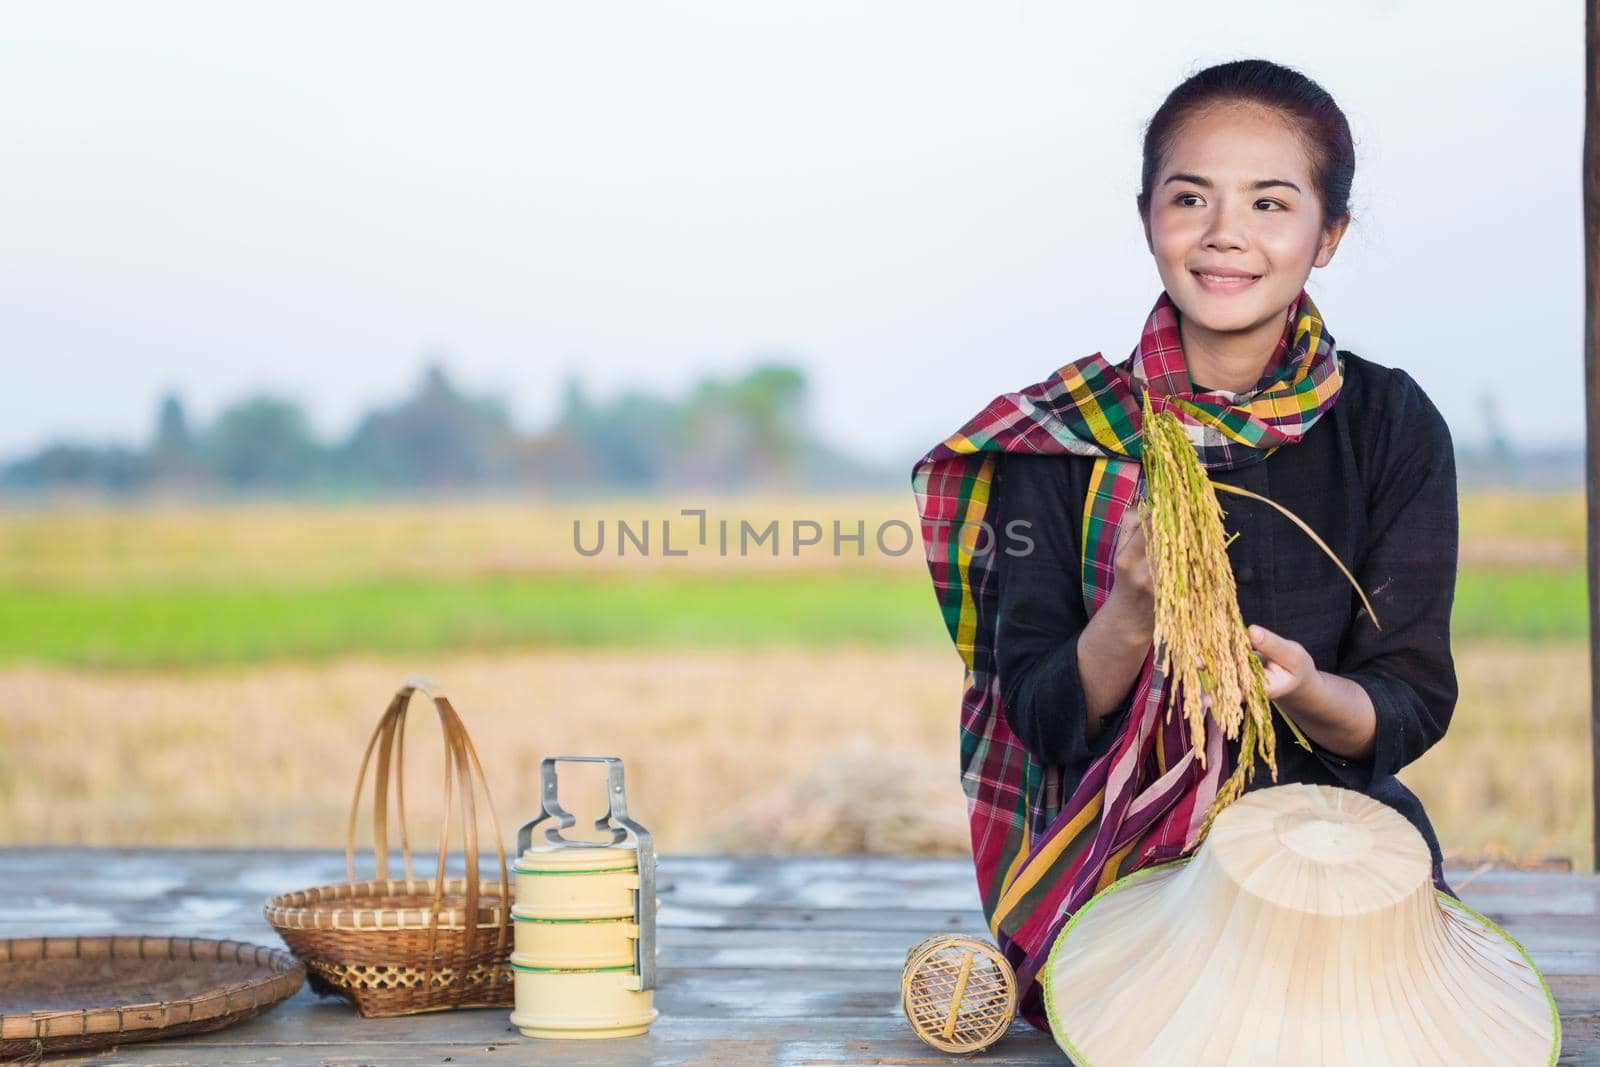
x: 438, y: 438
x: 172, y: 426
x: 574, y: 403
x: 263, y: 442
x: 75, y: 466
x: 1498, y: 444
x: 752, y: 429
x: 172, y: 458
x: 773, y: 397
x: 638, y: 440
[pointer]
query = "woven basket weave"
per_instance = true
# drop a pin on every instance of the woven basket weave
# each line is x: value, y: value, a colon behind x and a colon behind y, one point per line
x: 400, y: 946
x: 62, y: 994
x: 959, y: 993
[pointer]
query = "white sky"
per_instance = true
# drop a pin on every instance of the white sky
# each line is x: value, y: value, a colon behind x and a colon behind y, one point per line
x: 925, y: 204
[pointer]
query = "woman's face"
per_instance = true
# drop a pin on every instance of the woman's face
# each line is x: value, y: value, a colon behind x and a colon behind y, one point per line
x: 1235, y: 195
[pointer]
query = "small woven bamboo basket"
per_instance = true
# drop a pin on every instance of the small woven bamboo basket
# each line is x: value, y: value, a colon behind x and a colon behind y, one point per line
x: 397, y: 946
x: 959, y: 993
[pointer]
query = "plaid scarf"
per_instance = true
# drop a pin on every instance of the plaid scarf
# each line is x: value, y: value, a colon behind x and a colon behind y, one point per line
x: 1041, y: 854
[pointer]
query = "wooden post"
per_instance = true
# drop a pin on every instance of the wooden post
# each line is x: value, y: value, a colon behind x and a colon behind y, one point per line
x: 1591, y: 377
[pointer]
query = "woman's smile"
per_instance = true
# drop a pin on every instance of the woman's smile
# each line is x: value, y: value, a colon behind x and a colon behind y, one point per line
x: 1225, y: 283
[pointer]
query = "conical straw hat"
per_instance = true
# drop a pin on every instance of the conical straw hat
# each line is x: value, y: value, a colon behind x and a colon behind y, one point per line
x: 1305, y: 930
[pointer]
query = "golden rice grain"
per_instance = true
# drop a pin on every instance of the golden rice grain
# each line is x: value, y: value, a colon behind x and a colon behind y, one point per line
x: 1198, y: 624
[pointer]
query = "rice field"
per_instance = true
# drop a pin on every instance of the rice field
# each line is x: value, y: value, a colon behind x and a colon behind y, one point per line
x: 209, y: 676
x: 179, y: 588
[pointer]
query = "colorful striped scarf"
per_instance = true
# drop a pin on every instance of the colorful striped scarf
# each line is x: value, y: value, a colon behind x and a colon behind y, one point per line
x: 1040, y: 854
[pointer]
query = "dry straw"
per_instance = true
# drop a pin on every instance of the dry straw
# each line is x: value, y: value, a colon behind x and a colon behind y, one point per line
x: 1199, y: 630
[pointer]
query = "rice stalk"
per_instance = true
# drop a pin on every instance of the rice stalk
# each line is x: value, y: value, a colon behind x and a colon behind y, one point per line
x: 1309, y: 533
x: 1202, y: 643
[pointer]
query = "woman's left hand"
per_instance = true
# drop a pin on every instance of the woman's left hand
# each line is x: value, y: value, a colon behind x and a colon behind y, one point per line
x: 1292, y: 677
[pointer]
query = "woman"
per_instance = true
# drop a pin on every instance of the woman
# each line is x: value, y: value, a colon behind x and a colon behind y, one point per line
x: 1073, y: 776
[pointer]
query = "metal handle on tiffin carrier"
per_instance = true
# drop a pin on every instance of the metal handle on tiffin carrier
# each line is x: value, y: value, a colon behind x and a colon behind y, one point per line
x: 621, y: 828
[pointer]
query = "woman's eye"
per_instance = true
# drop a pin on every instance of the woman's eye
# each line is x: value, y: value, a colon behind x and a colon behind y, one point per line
x: 1185, y: 199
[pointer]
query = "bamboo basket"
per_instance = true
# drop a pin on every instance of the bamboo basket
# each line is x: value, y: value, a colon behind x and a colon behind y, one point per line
x: 66, y: 994
x: 401, y: 946
x: 959, y: 993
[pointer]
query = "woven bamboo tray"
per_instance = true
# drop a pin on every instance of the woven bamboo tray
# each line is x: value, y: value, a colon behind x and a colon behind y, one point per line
x: 399, y: 946
x: 62, y: 994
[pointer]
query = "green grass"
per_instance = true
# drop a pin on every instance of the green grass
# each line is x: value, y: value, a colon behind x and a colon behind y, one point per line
x: 1522, y: 604
x: 207, y: 625
x: 213, y: 625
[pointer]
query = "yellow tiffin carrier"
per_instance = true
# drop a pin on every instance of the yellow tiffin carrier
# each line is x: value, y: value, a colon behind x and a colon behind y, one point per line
x: 584, y: 963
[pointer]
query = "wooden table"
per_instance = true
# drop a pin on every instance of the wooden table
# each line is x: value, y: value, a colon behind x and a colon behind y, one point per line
x: 763, y: 961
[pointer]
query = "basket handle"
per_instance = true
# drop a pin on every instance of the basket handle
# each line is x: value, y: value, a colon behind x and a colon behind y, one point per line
x: 461, y: 765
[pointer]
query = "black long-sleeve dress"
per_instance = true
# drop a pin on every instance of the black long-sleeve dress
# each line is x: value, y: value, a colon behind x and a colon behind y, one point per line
x: 1375, y: 478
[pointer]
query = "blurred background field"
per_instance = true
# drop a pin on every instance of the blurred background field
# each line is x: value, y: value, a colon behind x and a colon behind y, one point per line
x: 207, y: 673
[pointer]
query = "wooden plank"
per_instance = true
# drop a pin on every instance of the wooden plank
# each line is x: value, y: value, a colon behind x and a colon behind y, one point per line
x: 764, y: 960
x: 670, y: 1041
x: 186, y: 883
x: 1559, y: 944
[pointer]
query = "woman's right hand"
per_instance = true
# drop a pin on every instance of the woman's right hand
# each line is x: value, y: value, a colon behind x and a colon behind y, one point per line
x: 1113, y: 646
x: 1133, y: 590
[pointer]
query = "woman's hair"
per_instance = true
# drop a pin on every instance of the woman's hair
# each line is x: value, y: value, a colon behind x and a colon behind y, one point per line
x: 1306, y: 105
